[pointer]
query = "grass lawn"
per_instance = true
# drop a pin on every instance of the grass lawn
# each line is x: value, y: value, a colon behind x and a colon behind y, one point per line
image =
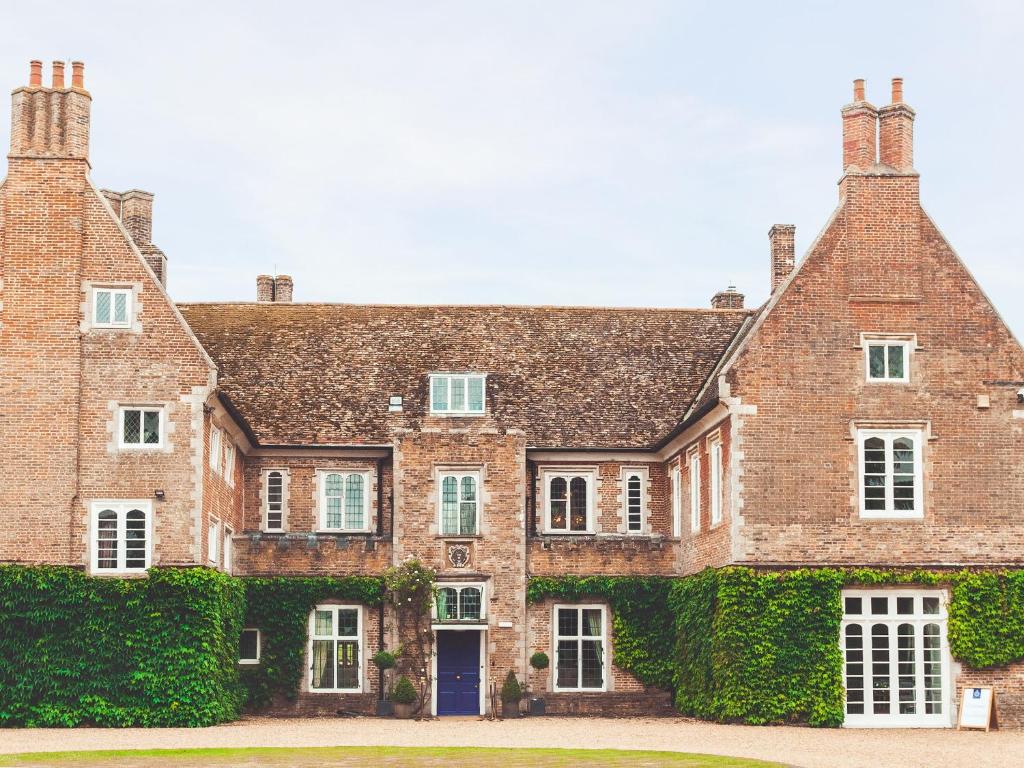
x: 349, y: 757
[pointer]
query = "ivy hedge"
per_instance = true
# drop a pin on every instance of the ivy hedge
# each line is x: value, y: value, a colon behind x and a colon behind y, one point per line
x: 279, y: 607
x: 157, y: 651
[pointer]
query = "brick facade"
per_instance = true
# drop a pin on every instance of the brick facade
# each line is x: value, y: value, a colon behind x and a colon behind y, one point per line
x: 307, y: 389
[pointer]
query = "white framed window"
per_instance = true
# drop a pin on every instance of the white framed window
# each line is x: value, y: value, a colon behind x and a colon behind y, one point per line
x: 250, y: 646
x: 229, y: 462
x: 229, y: 549
x: 715, y: 458
x: 121, y: 540
x: 693, y: 460
x: 896, y: 662
x: 462, y: 394
x: 140, y: 427
x: 215, y: 453
x: 459, y: 602
x: 213, y: 542
x: 344, y: 500
x: 891, y: 476
x: 335, y: 648
x: 111, y: 307
x: 676, y: 481
x: 274, y: 499
x: 634, y: 499
x: 459, y: 503
x: 580, y: 648
x: 569, y: 501
x: 887, y: 359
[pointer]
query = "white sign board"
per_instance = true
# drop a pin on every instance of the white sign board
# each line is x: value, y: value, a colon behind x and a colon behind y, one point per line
x: 976, y: 708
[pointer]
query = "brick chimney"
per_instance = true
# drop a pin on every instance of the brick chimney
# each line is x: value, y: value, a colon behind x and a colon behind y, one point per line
x: 283, y: 288
x: 860, y: 129
x: 896, y: 131
x: 51, y: 122
x: 135, y: 209
x: 783, y: 246
x: 730, y: 298
x: 275, y: 290
x: 264, y: 288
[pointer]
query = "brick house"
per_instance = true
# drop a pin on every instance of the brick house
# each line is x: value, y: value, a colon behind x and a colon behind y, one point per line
x: 868, y: 414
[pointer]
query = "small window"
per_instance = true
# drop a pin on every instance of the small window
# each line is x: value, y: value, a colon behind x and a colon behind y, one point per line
x: 273, y: 514
x: 111, y: 307
x: 344, y: 501
x: 890, y: 473
x: 229, y: 462
x: 677, y: 501
x: 457, y: 394
x: 579, y: 648
x: 887, y: 360
x: 121, y: 537
x: 249, y: 646
x: 459, y: 602
x: 634, y: 501
x: 694, y: 461
x: 140, y: 427
x: 460, y: 504
x: 213, y: 542
x: 569, y: 502
x: 715, y: 454
x: 335, y: 646
x: 215, y: 438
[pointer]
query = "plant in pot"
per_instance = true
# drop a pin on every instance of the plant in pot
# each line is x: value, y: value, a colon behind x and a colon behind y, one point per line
x: 535, y: 704
x: 385, y: 660
x: 404, y: 697
x: 511, y: 693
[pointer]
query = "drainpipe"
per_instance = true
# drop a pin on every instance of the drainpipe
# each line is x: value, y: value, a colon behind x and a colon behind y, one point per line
x: 380, y: 499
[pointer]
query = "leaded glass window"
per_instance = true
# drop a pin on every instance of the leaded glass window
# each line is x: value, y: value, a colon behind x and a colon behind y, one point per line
x: 459, y: 504
x: 141, y: 427
x: 459, y: 602
x: 888, y: 361
x: 891, y: 478
x: 111, y: 307
x: 343, y: 499
x: 334, y: 650
x: 569, y: 502
x: 579, y: 648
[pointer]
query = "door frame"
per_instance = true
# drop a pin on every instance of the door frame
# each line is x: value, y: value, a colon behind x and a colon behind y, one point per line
x: 482, y: 630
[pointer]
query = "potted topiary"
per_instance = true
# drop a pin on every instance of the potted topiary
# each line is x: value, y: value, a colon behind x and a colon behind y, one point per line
x: 404, y: 697
x: 511, y: 693
x: 384, y: 660
x: 535, y: 704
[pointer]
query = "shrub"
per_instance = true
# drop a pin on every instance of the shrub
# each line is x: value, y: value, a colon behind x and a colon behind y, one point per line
x: 511, y: 691
x: 405, y: 692
x: 539, y: 660
x: 384, y: 660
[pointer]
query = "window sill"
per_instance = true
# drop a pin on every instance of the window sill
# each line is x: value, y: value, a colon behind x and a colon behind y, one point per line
x: 340, y: 532
x: 454, y: 536
x: 889, y: 516
x: 242, y: 663
x: 320, y: 691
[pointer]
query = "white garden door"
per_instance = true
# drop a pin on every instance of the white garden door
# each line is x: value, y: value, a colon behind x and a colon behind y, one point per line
x: 896, y: 659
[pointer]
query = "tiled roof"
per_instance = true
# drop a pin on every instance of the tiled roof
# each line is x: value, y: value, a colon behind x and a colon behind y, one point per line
x: 578, y: 377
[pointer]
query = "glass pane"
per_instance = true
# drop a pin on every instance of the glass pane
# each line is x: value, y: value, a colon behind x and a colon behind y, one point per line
x: 879, y: 606
x: 568, y: 622
x: 106, y: 539
x: 931, y: 605
x: 880, y: 669
x: 467, y: 514
x: 103, y: 307
x: 348, y: 664
x: 932, y: 668
x: 593, y: 664
x: 906, y: 669
x: 876, y: 361
x: 449, y: 505
x: 120, y: 308
x: 348, y: 622
x: 248, y: 646
x: 132, y: 427
x: 578, y: 504
x: 854, y: 668
x: 905, y: 606
x: 874, y: 473
x: 567, y: 673
x: 440, y: 390
x: 354, y: 513
x: 458, y: 394
x: 333, y: 485
x: 151, y: 427
x: 323, y: 626
x: 135, y: 539
x: 476, y: 394
x: 557, y: 496
x: 852, y: 606
x: 447, y: 604
x: 592, y: 622
x: 323, y: 669
x: 896, y: 361
x: 469, y: 603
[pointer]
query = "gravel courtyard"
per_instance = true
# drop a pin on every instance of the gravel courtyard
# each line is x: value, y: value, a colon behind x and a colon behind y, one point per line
x: 804, y: 747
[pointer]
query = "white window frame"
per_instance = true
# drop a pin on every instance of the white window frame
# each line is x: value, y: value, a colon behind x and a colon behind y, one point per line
x: 458, y: 474
x: 216, y: 438
x: 113, y: 291
x: 892, y: 620
x: 590, y: 475
x: 228, y: 550
x: 676, y: 490
x: 907, y: 341
x: 465, y: 378
x: 229, y: 462
x: 266, y: 500
x: 693, y: 467
x: 628, y: 473
x: 717, y: 475
x: 889, y: 435
x: 321, y: 495
x: 334, y: 623
x: 213, y: 542
x: 142, y: 409
x: 121, y: 508
x: 555, y: 637
x: 259, y: 646
x: 458, y: 586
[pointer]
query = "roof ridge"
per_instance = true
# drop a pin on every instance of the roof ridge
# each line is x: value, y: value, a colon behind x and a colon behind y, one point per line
x: 578, y: 307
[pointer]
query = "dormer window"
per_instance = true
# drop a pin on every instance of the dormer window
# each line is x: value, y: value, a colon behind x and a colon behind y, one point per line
x: 457, y: 394
x: 111, y: 307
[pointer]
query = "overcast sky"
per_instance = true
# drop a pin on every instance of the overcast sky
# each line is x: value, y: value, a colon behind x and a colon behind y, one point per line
x: 616, y: 153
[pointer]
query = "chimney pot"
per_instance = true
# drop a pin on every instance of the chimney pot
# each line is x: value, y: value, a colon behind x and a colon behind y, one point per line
x: 264, y: 288
x: 782, y: 238
x: 35, y: 74
x: 283, y: 288
x: 896, y: 131
x: 858, y: 89
x: 58, y: 75
x: 897, y: 90
x: 77, y: 75
x: 860, y: 132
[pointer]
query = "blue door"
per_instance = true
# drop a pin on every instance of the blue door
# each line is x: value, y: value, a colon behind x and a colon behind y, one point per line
x: 458, y: 672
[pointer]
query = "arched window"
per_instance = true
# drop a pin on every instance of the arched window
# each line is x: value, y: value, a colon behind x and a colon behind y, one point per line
x: 569, y: 502
x: 275, y: 501
x: 343, y: 501
x: 890, y: 473
x: 634, y: 503
x: 459, y: 504
x: 120, y: 537
x: 106, y: 540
